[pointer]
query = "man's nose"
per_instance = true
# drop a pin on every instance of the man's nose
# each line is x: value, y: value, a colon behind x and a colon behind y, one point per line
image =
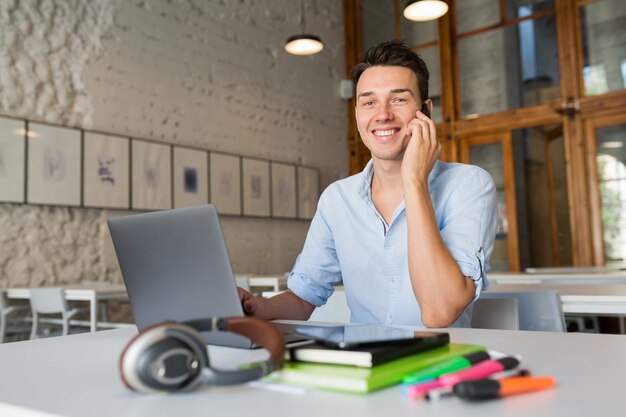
x: 384, y: 113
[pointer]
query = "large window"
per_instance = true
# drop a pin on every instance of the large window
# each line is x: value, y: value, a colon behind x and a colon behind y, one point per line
x: 604, y: 46
x: 507, y: 59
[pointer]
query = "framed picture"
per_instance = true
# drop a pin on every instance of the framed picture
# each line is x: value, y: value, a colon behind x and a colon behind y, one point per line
x: 308, y: 192
x: 12, y: 159
x: 283, y: 190
x: 151, y: 175
x: 225, y: 183
x: 256, y: 187
x: 54, y: 158
x: 106, y: 171
x: 191, y: 177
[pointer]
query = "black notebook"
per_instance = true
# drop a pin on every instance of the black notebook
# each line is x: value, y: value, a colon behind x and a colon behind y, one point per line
x: 368, y: 356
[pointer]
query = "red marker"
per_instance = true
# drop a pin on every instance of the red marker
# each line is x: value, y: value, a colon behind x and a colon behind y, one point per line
x: 484, y: 389
x: 480, y: 370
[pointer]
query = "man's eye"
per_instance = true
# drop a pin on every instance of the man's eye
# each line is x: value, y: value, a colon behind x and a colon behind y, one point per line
x: 368, y: 103
x: 399, y: 100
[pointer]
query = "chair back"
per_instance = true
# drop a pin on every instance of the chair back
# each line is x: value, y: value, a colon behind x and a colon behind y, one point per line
x: 48, y: 300
x: 495, y: 313
x: 538, y: 310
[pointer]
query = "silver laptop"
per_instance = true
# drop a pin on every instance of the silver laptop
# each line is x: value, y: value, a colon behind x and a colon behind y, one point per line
x: 176, y: 267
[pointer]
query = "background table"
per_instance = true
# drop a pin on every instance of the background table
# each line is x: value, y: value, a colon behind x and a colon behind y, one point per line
x: 91, y: 293
x: 77, y: 376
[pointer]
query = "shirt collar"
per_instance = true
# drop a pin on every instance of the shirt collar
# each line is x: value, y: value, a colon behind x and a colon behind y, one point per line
x: 365, y: 189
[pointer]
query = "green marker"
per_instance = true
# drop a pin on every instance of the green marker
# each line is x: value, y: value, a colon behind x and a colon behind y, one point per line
x: 451, y: 365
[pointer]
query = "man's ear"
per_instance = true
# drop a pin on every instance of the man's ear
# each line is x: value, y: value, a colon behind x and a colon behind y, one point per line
x: 427, y: 108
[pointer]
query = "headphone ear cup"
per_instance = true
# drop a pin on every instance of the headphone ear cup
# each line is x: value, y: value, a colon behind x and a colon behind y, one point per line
x: 166, y: 358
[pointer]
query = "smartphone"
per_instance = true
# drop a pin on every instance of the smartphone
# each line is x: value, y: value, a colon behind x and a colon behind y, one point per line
x: 424, y: 110
x: 366, y: 335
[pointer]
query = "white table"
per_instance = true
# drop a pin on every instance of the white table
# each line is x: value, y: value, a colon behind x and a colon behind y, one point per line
x: 590, y: 277
x: 77, y: 376
x: 91, y: 293
x: 276, y: 282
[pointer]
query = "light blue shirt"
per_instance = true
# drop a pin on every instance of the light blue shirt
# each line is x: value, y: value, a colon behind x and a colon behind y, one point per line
x: 349, y: 241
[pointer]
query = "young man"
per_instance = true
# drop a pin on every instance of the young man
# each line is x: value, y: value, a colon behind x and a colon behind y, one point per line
x: 409, y: 236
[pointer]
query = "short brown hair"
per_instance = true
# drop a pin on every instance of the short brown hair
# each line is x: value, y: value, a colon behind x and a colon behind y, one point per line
x: 394, y: 53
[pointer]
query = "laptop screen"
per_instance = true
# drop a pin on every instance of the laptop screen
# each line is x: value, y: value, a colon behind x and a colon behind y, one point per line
x: 176, y: 267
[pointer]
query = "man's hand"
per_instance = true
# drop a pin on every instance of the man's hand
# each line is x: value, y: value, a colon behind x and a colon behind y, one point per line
x: 286, y: 306
x: 422, y: 150
x: 252, y: 305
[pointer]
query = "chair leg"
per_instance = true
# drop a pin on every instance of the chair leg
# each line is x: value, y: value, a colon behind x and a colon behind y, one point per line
x: 33, y: 329
x: 66, y: 325
x: 2, y: 328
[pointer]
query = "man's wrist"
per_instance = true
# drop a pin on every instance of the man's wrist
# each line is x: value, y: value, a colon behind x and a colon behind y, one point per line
x: 414, y: 184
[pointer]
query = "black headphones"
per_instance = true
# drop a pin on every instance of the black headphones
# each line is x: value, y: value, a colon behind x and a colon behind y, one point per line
x: 170, y: 356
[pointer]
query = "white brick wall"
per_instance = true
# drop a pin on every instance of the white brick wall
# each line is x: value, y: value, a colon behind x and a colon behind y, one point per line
x: 211, y: 74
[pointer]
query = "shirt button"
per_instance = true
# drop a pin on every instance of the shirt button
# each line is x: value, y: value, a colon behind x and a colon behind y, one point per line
x: 393, y: 280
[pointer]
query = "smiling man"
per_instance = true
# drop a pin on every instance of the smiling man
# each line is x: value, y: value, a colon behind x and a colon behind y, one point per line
x: 409, y: 236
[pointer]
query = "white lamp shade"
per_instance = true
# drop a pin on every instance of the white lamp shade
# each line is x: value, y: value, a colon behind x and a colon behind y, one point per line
x: 424, y: 10
x: 304, y: 45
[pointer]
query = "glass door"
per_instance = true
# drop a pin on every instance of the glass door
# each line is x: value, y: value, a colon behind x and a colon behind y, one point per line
x: 494, y: 154
x: 606, y: 144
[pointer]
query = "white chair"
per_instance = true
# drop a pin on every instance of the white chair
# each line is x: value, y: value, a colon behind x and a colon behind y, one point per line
x: 538, y: 310
x: 51, y: 301
x: 495, y: 313
x: 243, y: 281
x: 12, y: 318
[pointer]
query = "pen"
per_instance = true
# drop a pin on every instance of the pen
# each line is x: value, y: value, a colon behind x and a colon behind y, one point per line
x: 480, y: 370
x: 438, y: 393
x: 484, y: 389
x: 452, y: 365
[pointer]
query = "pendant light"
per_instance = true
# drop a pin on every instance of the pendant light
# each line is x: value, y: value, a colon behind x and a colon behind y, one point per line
x: 424, y: 10
x: 303, y: 44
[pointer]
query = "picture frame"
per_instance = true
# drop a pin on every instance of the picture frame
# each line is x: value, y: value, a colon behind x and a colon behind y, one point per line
x: 283, y: 179
x: 191, y: 177
x: 225, y: 183
x: 106, y: 171
x: 255, y: 175
x: 151, y: 175
x: 308, y: 192
x: 12, y: 160
x: 54, y: 159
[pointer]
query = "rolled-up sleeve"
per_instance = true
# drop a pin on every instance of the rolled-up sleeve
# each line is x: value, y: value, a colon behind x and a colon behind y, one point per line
x: 317, y: 267
x: 469, y: 226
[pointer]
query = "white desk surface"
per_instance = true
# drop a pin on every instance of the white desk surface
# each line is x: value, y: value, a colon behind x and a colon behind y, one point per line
x: 77, y: 376
x: 584, y: 278
x: 78, y: 292
x: 584, y: 298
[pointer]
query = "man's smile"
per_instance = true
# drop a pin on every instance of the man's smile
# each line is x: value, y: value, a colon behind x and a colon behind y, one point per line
x: 385, y: 134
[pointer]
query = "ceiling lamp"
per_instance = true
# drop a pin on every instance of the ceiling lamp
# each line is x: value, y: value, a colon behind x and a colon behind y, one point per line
x: 303, y: 44
x: 612, y: 144
x: 424, y: 10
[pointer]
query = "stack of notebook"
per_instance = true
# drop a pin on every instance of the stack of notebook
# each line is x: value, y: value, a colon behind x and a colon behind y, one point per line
x: 365, y: 369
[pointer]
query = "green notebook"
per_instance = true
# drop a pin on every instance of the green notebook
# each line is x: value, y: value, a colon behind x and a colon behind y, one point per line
x: 363, y: 380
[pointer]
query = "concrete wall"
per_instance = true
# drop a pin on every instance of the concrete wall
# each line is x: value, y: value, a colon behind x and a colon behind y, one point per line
x: 210, y: 74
